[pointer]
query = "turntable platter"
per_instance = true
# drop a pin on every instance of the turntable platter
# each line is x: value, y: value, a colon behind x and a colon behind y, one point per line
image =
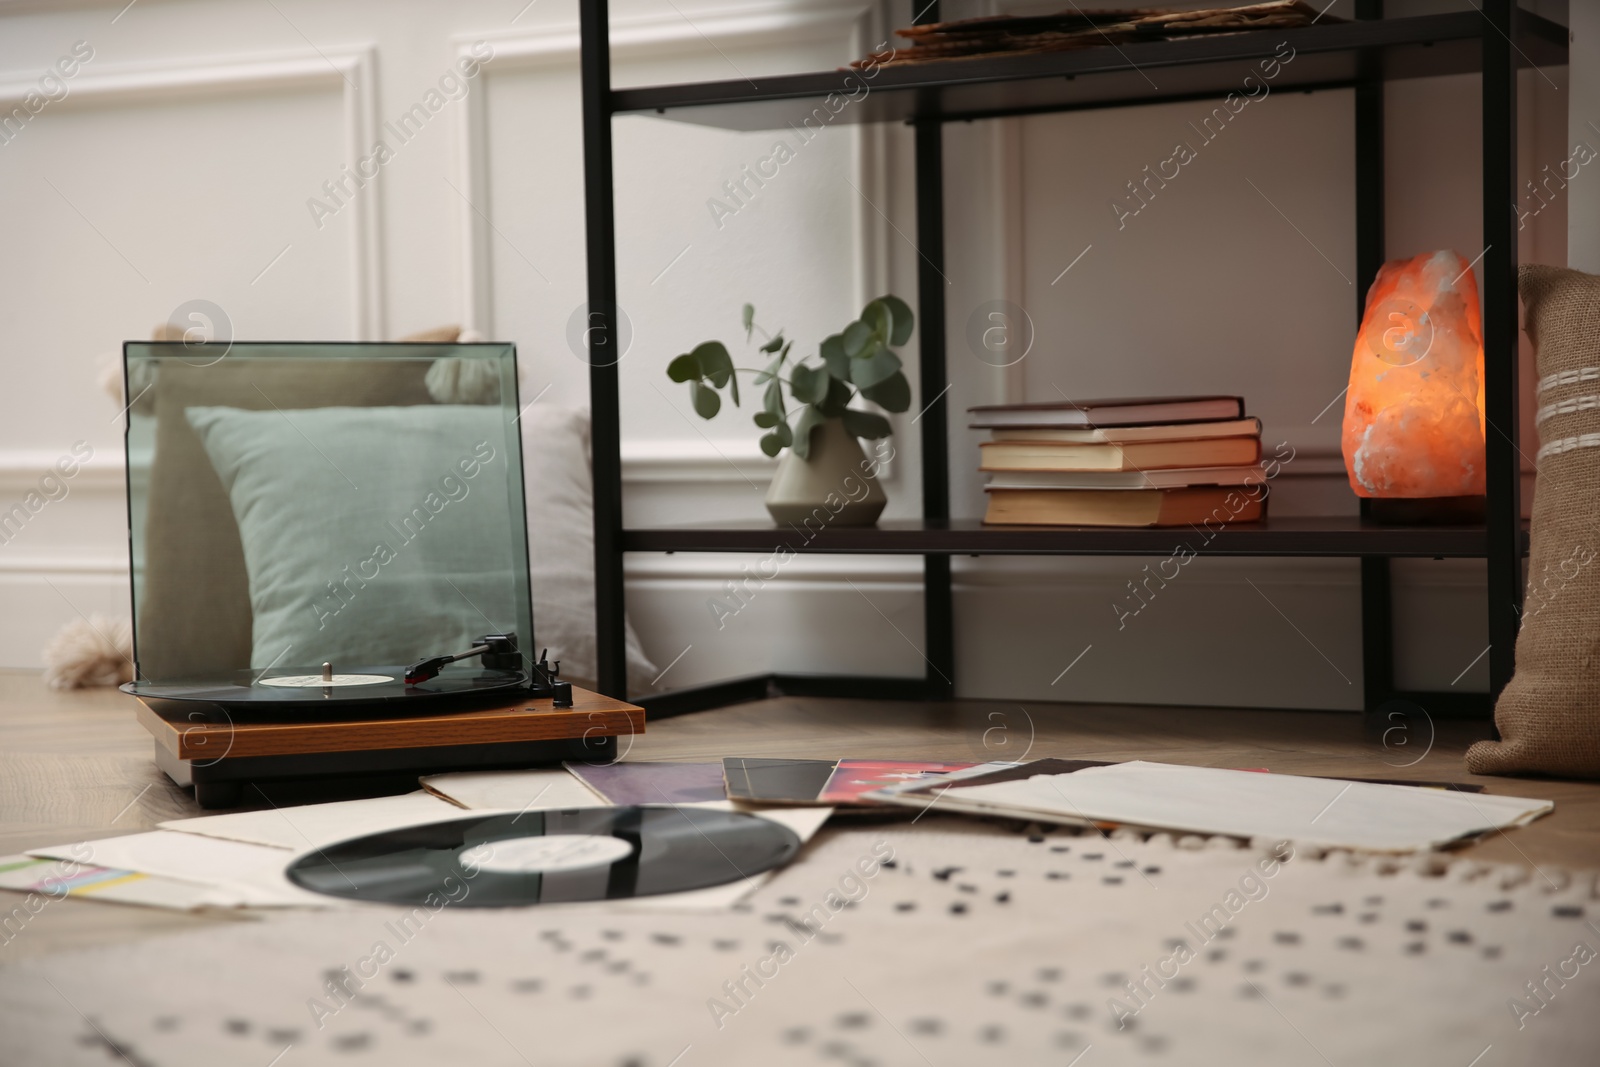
x: 300, y: 689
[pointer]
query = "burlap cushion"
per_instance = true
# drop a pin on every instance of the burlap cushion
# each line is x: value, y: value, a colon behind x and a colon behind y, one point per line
x: 1549, y: 714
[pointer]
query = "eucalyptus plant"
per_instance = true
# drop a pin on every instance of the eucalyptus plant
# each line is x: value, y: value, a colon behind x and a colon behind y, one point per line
x: 858, y: 360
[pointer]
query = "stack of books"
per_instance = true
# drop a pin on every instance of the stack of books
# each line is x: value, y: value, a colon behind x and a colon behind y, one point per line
x: 1160, y: 461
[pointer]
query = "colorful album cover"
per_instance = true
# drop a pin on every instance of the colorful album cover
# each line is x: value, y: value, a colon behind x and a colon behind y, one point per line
x: 1018, y: 771
x: 853, y: 777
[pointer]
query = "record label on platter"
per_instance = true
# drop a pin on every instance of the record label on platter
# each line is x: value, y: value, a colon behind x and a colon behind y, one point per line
x: 546, y: 857
x: 318, y: 681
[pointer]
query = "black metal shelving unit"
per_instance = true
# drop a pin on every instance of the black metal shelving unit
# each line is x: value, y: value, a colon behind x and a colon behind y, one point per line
x: 1361, y: 54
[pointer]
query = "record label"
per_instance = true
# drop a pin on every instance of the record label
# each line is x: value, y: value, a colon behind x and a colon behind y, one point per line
x: 308, y: 681
x: 556, y: 852
x: 547, y: 857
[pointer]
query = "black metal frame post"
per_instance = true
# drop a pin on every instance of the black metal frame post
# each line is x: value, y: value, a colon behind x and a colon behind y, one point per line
x: 1377, y: 619
x: 938, y: 604
x: 1503, y: 471
x: 602, y: 338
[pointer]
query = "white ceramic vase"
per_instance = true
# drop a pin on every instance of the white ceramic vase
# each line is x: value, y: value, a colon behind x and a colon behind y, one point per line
x: 835, y: 486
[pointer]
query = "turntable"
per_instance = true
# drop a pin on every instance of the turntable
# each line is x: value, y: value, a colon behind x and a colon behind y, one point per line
x: 329, y: 558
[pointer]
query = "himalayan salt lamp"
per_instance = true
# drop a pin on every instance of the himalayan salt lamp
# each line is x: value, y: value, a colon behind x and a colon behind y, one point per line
x: 1413, y: 418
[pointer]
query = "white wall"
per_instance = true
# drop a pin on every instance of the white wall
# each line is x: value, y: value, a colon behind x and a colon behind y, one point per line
x: 180, y: 164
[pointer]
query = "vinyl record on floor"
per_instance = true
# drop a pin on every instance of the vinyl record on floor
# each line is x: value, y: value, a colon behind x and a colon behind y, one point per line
x: 547, y: 857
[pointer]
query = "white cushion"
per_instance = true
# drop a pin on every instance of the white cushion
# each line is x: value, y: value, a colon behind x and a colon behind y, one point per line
x: 555, y: 463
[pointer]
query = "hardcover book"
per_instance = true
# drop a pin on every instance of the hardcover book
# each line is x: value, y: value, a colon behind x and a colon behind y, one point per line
x: 1090, y: 414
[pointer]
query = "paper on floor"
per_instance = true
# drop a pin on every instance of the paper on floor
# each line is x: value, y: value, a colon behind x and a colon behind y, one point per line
x: 242, y: 874
x: 542, y: 790
x: 307, y: 826
x: 238, y: 860
x: 53, y: 879
x: 1226, y: 958
x: 1317, y: 811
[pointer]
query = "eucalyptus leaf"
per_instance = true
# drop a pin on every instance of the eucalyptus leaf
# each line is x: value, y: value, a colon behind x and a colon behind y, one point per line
x: 904, y: 320
x: 706, y: 401
x: 839, y: 395
x: 808, y: 384
x: 717, y: 366
x: 858, y: 360
x: 866, y: 424
x: 856, y: 335
x: 684, y: 369
x: 891, y: 394
x: 880, y: 318
x: 714, y: 361
x: 880, y: 367
x: 809, y: 420
x: 833, y: 355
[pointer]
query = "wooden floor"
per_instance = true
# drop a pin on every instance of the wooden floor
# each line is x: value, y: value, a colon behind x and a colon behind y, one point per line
x: 75, y: 766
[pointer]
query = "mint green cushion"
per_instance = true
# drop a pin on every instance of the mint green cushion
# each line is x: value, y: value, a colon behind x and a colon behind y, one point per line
x: 372, y: 536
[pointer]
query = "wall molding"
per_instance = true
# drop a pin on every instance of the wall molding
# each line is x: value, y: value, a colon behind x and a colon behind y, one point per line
x: 686, y: 461
x: 350, y: 69
x: 1034, y: 573
x: 1010, y: 200
x: 655, y: 35
x: 21, y: 469
x: 631, y: 39
x: 665, y: 460
x: 1311, y: 460
x: 661, y: 460
x: 658, y: 460
x: 682, y: 461
x: 95, y: 565
x: 1054, y: 574
x: 717, y: 567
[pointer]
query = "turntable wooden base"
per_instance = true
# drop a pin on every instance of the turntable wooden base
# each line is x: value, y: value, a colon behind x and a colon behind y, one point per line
x: 223, y: 756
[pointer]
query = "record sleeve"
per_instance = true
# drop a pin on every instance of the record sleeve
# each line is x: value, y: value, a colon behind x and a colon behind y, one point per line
x: 776, y: 781
x: 653, y: 782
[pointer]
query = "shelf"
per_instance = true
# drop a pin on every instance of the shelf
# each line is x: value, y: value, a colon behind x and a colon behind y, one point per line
x: 1291, y: 536
x: 1112, y: 76
x: 1493, y: 40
